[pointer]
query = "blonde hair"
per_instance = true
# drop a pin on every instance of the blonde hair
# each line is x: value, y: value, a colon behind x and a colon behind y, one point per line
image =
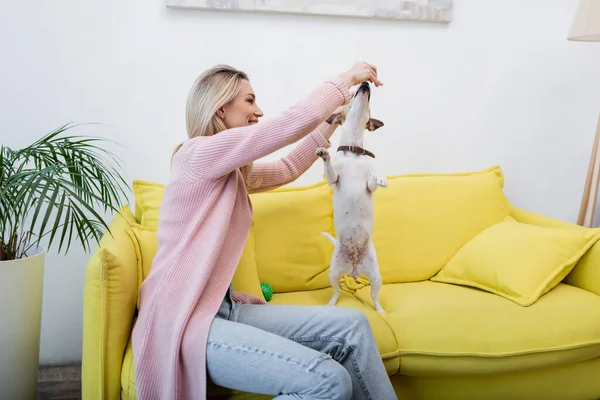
x: 213, y: 89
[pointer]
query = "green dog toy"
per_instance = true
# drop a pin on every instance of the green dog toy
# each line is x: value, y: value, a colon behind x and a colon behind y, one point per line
x: 267, y: 290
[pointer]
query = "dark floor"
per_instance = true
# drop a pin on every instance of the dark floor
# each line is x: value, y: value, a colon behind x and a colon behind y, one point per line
x: 59, y: 382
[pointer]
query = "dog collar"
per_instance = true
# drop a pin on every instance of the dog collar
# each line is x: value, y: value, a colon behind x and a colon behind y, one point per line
x: 356, y: 150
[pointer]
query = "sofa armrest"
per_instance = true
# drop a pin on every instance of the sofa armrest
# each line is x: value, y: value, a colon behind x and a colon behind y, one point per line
x: 109, y: 305
x: 533, y: 218
x: 586, y: 274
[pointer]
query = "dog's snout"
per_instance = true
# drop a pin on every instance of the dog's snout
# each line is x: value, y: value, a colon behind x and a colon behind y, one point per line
x: 364, y: 88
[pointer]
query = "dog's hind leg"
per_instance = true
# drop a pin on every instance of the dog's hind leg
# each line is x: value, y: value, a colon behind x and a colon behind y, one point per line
x: 334, y: 279
x: 370, y: 268
x: 330, y: 174
x: 336, y: 271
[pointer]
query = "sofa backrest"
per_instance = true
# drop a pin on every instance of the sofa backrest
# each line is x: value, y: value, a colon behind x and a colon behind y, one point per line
x: 420, y: 223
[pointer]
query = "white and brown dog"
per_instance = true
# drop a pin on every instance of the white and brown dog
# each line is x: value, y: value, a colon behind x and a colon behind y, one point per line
x: 351, y: 175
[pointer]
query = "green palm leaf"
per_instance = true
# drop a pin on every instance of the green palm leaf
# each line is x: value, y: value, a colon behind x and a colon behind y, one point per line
x: 56, y: 188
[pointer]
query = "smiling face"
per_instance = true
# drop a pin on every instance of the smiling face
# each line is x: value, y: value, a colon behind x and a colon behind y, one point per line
x: 242, y: 110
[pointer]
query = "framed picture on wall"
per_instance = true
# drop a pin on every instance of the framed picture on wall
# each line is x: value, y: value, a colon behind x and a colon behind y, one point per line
x: 403, y: 10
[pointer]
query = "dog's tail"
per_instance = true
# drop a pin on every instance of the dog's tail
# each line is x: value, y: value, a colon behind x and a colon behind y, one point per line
x: 329, y: 237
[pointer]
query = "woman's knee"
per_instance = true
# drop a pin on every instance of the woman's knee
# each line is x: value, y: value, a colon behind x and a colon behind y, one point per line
x: 337, y: 382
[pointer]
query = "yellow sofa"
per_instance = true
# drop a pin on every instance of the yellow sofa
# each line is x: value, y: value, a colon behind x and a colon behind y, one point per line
x: 441, y: 338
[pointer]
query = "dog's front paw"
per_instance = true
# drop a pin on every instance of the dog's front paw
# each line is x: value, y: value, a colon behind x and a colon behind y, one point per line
x: 323, y: 153
x: 382, y: 181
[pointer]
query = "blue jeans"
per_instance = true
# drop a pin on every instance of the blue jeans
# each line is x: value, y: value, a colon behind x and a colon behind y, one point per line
x: 296, y: 352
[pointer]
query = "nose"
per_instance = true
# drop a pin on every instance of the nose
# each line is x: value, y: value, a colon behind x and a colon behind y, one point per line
x: 364, y: 85
x: 258, y: 112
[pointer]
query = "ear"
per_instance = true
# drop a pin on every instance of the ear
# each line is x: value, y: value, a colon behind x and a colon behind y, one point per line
x: 335, y: 119
x: 374, y: 124
x: 221, y: 112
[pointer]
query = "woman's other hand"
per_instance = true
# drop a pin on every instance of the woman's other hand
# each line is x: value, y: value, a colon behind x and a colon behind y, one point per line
x: 359, y: 73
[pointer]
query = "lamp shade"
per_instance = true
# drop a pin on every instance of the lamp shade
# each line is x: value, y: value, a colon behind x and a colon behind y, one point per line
x: 586, y: 24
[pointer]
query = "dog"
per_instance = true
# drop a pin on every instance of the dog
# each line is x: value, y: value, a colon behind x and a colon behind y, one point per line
x: 350, y: 173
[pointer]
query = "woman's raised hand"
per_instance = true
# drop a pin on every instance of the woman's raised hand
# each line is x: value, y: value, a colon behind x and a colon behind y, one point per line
x: 359, y: 73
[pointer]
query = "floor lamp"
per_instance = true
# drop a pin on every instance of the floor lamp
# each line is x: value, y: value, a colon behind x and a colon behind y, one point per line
x: 586, y: 28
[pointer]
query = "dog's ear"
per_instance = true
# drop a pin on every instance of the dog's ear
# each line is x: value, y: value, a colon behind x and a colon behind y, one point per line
x: 335, y: 119
x: 374, y: 124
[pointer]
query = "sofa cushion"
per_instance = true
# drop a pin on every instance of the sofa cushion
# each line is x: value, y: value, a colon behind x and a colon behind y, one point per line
x: 148, y: 200
x: 111, y: 292
x: 384, y: 336
x: 566, y: 382
x: 291, y: 253
x: 421, y: 221
x: 518, y: 261
x: 445, y: 329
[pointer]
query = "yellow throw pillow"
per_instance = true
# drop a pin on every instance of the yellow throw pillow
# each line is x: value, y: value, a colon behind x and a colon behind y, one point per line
x: 246, y: 278
x: 518, y: 261
x: 147, y: 245
x: 291, y: 253
x: 148, y: 198
x: 422, y: 220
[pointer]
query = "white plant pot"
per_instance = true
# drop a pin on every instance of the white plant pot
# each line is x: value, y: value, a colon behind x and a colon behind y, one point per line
x: 21, y: 292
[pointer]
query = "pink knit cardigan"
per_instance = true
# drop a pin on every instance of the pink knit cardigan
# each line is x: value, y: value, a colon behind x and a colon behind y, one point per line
x: 204, y: 222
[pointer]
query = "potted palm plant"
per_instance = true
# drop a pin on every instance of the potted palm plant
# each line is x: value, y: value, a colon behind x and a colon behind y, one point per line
x: 51, y: 193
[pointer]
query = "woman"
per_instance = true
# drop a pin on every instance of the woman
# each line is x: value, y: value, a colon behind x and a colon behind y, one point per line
x: 191, y: 325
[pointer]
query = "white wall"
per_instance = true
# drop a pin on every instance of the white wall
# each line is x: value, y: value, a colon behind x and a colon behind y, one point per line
x: 499, y: 85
